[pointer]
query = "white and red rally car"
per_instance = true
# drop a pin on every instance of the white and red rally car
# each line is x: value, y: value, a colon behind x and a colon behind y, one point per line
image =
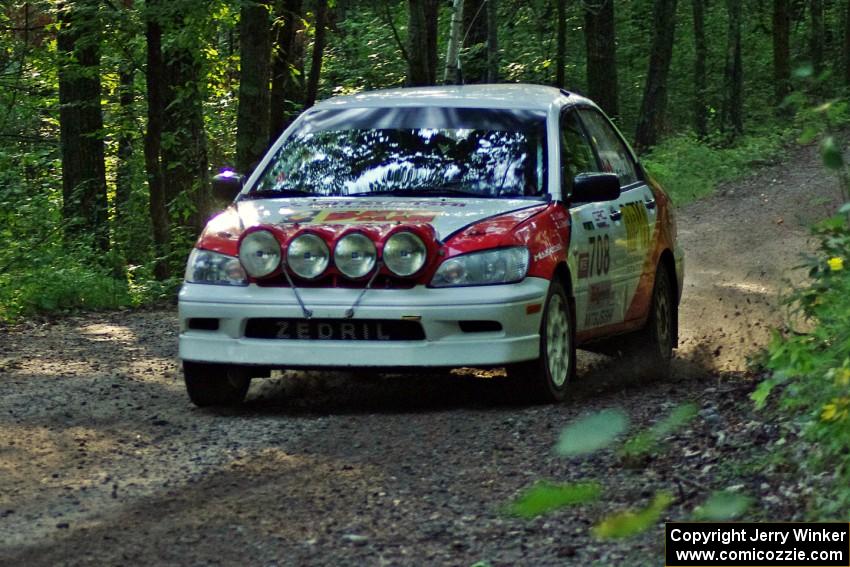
x: 491, y: 225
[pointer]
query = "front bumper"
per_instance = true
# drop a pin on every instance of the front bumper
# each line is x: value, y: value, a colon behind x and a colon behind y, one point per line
x: 440, y: 310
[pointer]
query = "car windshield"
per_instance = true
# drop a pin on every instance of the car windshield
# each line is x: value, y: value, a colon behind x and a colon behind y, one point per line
x: 450, y: 152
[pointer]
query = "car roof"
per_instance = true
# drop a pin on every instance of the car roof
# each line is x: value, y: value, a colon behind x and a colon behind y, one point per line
x: 518, y: 96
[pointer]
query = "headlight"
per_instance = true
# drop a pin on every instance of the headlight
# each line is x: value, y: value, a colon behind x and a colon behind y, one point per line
x: 259, y: 252
x: 213, y: 268
x: 308, y: 256
x: 504, y: 265
x: 355, y: 255
x: 404, y: 253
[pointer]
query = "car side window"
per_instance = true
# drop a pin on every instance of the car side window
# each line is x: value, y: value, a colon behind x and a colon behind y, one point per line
x: 614, y: 157
x: 576, y: 152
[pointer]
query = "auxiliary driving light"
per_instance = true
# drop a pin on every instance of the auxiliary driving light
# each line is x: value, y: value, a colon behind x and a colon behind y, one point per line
x: 355, y: 255
x: 259, y: 253
x: 404, y: 253
x: 308, y: 256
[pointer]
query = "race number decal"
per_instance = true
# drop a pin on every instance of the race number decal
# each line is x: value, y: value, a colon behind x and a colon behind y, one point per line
x: 637, y: 226
x: 600, y: 255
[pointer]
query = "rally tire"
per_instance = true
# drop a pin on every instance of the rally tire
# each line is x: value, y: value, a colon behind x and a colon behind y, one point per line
x: 215, y: 384
x: 547, y: 379
x: 652, y: 346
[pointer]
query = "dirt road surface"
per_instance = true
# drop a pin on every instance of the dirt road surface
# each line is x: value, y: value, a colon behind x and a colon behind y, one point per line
x: 103, y: 460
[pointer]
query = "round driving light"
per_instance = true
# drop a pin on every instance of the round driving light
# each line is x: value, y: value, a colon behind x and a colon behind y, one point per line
x: 355, y: 255
x: 404, y: 253
x: 308, y: 256
x: 259, y: 253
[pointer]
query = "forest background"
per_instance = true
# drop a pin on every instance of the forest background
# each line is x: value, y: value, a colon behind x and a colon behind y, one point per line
x: 115, y: 114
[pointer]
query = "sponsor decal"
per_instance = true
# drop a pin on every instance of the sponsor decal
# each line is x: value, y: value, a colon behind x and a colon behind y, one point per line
x: 583, y: 265
x: 601, y: 293
x: 357, y: 216
x: 599, y: 317
x: 637, y: 226
x: 561, y: 220
x: 600, y: 217
x: 554, y: 249
x: 307, y: 330
x: 359, y: 204
x: 600, y: 304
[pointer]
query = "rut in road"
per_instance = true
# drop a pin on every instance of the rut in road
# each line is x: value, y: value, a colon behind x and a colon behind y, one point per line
x: 104, y: 461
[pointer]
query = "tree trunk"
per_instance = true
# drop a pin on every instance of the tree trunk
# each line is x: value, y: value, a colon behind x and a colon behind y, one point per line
x: 287, y: 88
x: 731, y: 113
x: 453, y: 50
x: 847, y: 44
x: 816, y: 31
x: 185, y: 156
x: 252, y: 119
x: 81, y: 123
x: 700, y: 53
x: 474, y: 58
x: 654, y: 105
x: 432, y: 23
x: 561, y: 53
x: 418, y: 73
x: 600, y: 37
x: 126, y: 138
x: 781, y: 49
x: 124, y: 167
x: 318, y: 53
x: 492, y: 41
x: 155, y: 77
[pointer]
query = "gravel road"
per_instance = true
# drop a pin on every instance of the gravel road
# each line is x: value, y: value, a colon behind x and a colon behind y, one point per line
x: 103, y: 460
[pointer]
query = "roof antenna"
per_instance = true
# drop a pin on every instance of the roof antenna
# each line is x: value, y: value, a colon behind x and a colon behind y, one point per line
x: 453, y: 74
x: 456, y: 42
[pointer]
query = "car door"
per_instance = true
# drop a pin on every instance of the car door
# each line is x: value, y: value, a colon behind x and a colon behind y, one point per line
x: 634, y: 215
x: 596, y: 296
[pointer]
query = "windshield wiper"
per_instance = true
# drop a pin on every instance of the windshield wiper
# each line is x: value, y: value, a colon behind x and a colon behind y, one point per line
x: 273, y: 193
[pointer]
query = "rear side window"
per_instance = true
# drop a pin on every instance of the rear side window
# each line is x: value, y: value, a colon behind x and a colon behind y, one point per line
x: 576, y: 152
x: 614, y: 157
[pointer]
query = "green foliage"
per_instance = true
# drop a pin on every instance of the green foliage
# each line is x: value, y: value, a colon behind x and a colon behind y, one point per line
x: 545, y: 497
x: 811, y: 361
x: 592, y: 433
x: 721, y: 506
x: 632, y: 522
x: 597, y: 431
x: 689, y: 168
x: 648, y: 440
x: 58, y: 281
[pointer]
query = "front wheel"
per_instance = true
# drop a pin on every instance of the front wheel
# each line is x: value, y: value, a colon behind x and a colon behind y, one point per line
x: 546, y: 378
x: 215, y: 384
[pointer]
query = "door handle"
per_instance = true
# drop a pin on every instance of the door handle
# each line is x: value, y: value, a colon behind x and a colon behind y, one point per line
x: 650, y: 204
x: 615, y: 214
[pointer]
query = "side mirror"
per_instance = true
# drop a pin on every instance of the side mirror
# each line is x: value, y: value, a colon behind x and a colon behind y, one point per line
x: 590, y: 187
x: 227, y: 184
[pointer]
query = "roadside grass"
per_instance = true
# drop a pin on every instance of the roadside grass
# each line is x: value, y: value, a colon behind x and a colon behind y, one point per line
x: 690, y: 169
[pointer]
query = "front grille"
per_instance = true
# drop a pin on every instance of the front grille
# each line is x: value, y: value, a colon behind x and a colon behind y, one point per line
x: 334, y: 329
x: 383, y: 281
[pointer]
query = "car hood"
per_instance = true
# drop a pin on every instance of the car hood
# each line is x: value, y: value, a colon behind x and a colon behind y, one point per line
x: 445, y: 215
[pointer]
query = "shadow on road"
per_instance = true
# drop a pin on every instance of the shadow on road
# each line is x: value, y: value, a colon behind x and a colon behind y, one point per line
x: 321, y: 393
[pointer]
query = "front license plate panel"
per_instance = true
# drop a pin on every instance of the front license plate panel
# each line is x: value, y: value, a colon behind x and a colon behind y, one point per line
x: 334, y: 329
